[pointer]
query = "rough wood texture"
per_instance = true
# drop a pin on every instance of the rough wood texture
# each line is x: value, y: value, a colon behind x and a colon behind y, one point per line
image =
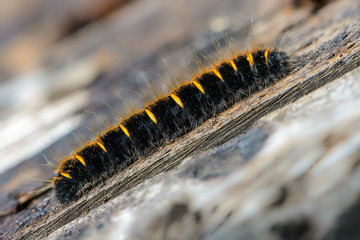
x: 301, y: 184
x: 227, y: 191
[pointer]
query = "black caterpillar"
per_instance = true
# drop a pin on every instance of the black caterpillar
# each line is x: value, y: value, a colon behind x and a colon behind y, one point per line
x: 168, y: 118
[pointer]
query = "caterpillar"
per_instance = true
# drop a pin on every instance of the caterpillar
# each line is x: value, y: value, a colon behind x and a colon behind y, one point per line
x: 169, y: 117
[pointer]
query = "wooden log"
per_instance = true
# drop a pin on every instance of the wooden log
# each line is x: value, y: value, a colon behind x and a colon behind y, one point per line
x: 329, y: 45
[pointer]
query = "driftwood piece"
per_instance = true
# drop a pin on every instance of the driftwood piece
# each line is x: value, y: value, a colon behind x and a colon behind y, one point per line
x: 329, y: 45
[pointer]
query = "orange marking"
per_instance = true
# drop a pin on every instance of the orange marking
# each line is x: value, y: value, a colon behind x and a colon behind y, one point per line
x: 80, y: 159
x: 177, y: 100
x: 233, y: 65
x: 218, y: 74
x: 101, y: 145
x: 125, y: 130
x: 151, y: 115
x: 66, y: 175
x: 198, y: 85
x: 266, y: 55
x: 250, y: 59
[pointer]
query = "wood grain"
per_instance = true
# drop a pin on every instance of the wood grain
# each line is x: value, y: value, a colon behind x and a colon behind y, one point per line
x: 328, y: 45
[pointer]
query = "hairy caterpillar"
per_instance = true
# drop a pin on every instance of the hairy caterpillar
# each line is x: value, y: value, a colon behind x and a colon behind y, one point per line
x: 169, y: 117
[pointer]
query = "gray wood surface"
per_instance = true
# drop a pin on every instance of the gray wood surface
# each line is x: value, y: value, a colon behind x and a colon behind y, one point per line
x: 137, y: 35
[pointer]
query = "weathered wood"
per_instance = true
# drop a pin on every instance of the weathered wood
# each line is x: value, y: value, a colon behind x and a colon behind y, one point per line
x: 330, y: 49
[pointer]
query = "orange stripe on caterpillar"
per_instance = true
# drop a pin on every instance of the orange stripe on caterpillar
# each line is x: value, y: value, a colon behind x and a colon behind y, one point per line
x: 125, y: 130
x: 250, y: 59
x: 80, y: 159
x: 266, y: 55
x: 66, y: 175
x: 217, y: 73
x: 177, y: 100
x: 198, y: 85
x: 233, y: 65
x: 151, y: 115
x: 101, y: 145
